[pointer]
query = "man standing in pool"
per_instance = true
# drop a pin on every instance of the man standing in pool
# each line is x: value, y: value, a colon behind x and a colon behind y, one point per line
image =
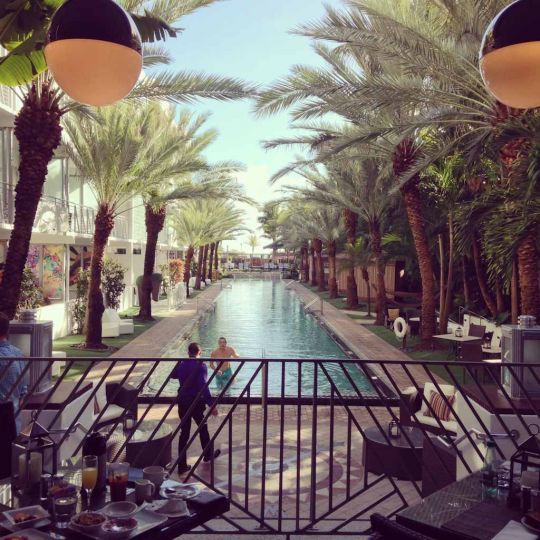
x: 223, y: 352
x: 193, y: 394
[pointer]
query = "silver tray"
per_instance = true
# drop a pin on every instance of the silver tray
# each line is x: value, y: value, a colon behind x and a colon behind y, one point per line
x: 146, y: 520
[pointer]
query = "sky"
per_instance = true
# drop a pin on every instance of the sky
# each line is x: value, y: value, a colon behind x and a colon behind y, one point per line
x: 250, y: 40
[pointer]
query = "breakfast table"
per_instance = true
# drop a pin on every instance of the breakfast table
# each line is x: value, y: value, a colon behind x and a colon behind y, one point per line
x: 461, y: 511
x: 206, y: 505
x: 456, y: 341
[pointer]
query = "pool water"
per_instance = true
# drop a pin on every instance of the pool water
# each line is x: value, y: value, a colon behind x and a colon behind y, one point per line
x: 263, y: 319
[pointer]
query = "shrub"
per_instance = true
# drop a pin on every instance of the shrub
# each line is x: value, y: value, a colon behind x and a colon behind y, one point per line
x: 78, y: 309
x: 112, y: 283
x: 31, y: 295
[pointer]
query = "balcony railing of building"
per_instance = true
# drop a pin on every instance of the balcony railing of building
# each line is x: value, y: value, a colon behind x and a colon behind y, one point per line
x: 53, y: 216
x: 305, y: 445
x: 8, y: 98
x: 121, y: 228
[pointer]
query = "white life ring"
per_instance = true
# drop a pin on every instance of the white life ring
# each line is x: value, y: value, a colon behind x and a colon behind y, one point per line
x: 400, y: 327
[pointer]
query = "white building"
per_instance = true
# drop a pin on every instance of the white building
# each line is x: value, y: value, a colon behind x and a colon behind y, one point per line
x: 62, y: 237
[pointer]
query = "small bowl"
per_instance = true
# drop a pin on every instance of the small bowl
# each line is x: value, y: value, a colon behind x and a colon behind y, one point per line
x: 122, y: 509
x: 88, y: 529
x: 119, y: 528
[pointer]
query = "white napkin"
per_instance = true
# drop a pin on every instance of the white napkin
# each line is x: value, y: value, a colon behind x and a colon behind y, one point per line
x: 515, y: 531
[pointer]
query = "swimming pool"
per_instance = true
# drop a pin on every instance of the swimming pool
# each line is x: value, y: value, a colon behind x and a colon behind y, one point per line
x: 263, y: 319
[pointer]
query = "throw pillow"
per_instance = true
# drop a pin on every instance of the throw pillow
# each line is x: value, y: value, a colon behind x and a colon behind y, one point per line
x: 439, y: 409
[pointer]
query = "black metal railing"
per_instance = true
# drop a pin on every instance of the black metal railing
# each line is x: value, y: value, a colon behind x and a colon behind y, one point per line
x: 305, y: 444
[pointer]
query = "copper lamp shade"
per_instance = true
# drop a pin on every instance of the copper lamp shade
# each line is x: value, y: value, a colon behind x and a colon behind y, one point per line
x: 510, y: 55
x: 93, y: 50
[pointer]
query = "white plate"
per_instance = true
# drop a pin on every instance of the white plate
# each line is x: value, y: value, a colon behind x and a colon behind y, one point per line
x: 181, y: 491
x: 34, y: 510
x: 31, y: 534
x: 146, y: 520
x: 15, y: 528
x: 156, y: 507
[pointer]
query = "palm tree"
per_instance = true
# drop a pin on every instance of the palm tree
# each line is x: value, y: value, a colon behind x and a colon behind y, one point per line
x: 199, y: 222
x: 269, y: 221
x: 308, y: 219
x: 108, y: 153
x: 176, y: 170
x: 253, y: 242
x: 38, y: 123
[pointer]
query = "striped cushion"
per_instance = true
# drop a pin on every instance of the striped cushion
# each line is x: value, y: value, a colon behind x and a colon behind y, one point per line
x: 439, y: 407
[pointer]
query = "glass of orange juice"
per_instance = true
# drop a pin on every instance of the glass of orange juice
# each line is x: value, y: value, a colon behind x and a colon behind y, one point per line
x: 89, y: 476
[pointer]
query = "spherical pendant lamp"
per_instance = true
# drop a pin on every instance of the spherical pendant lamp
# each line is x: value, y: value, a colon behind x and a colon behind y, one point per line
x: 510, y: 55
x: 93, y: 49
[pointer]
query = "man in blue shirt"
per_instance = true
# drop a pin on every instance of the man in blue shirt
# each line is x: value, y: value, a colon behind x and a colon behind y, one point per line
x: 12, y: 384
x: 193, y: 393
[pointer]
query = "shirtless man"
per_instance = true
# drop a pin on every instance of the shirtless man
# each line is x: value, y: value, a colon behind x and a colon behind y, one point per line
x: 223, y: 351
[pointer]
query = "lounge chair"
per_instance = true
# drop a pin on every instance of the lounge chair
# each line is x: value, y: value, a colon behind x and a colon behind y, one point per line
x: 413, y: 410
x: 118, y: 403
x: 125, y: 326
x: 392, y: 315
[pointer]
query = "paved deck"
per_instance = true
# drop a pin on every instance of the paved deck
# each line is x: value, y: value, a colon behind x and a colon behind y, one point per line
x: 153, y: 343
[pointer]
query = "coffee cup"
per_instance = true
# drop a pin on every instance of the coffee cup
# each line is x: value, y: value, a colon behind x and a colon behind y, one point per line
x: 155, y: 474
x: 144, y: 490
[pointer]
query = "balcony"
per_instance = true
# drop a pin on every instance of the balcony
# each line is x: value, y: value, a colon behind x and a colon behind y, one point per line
x: 8, y: 98
x: 298, y: 453
x: 121, y: 228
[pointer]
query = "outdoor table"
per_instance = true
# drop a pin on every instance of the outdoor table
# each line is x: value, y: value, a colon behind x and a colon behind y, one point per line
x: 455, y: 341
x: 205, y: 506
x: 459, y: 512
x: 400, y: 458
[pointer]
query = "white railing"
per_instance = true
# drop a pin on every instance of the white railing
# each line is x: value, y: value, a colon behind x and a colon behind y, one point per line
x: 121, y: 228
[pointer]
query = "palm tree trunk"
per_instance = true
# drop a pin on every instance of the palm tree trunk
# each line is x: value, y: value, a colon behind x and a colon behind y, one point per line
x: 199, y: 268
x: 317, y: 244
x: 448, y: 288
x: 481, y: 278
x: 216, y: 260
x: 307, y: 267
x: 104, y: 224
x: 405, y: 155
x: 351, y: 224
x: 527, y: 252
x: 413, y: 204
x: 155, y: 221
x: 376, y: 247
x: 187, y: 268
x: 38, y: 131
x: 514, y: 292
x: 205, y: 263
x: 332, y: 272
x: 527, y: 259
x: 499, y: 297
x: 211, y: 261
x: 365, y: 277
x: 466, y: 286
x: 313, y: 265
x: 442, y: 257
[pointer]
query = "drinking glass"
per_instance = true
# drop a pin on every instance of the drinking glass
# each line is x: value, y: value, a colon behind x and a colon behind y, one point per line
x: 64, y: 510
x: 89, y: 476
x: 118, y: 479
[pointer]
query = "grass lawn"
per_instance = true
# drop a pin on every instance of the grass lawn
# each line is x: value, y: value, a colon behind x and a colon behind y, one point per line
x: 68, y: 343
x: 441, y: 355
x: 360, y: 317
